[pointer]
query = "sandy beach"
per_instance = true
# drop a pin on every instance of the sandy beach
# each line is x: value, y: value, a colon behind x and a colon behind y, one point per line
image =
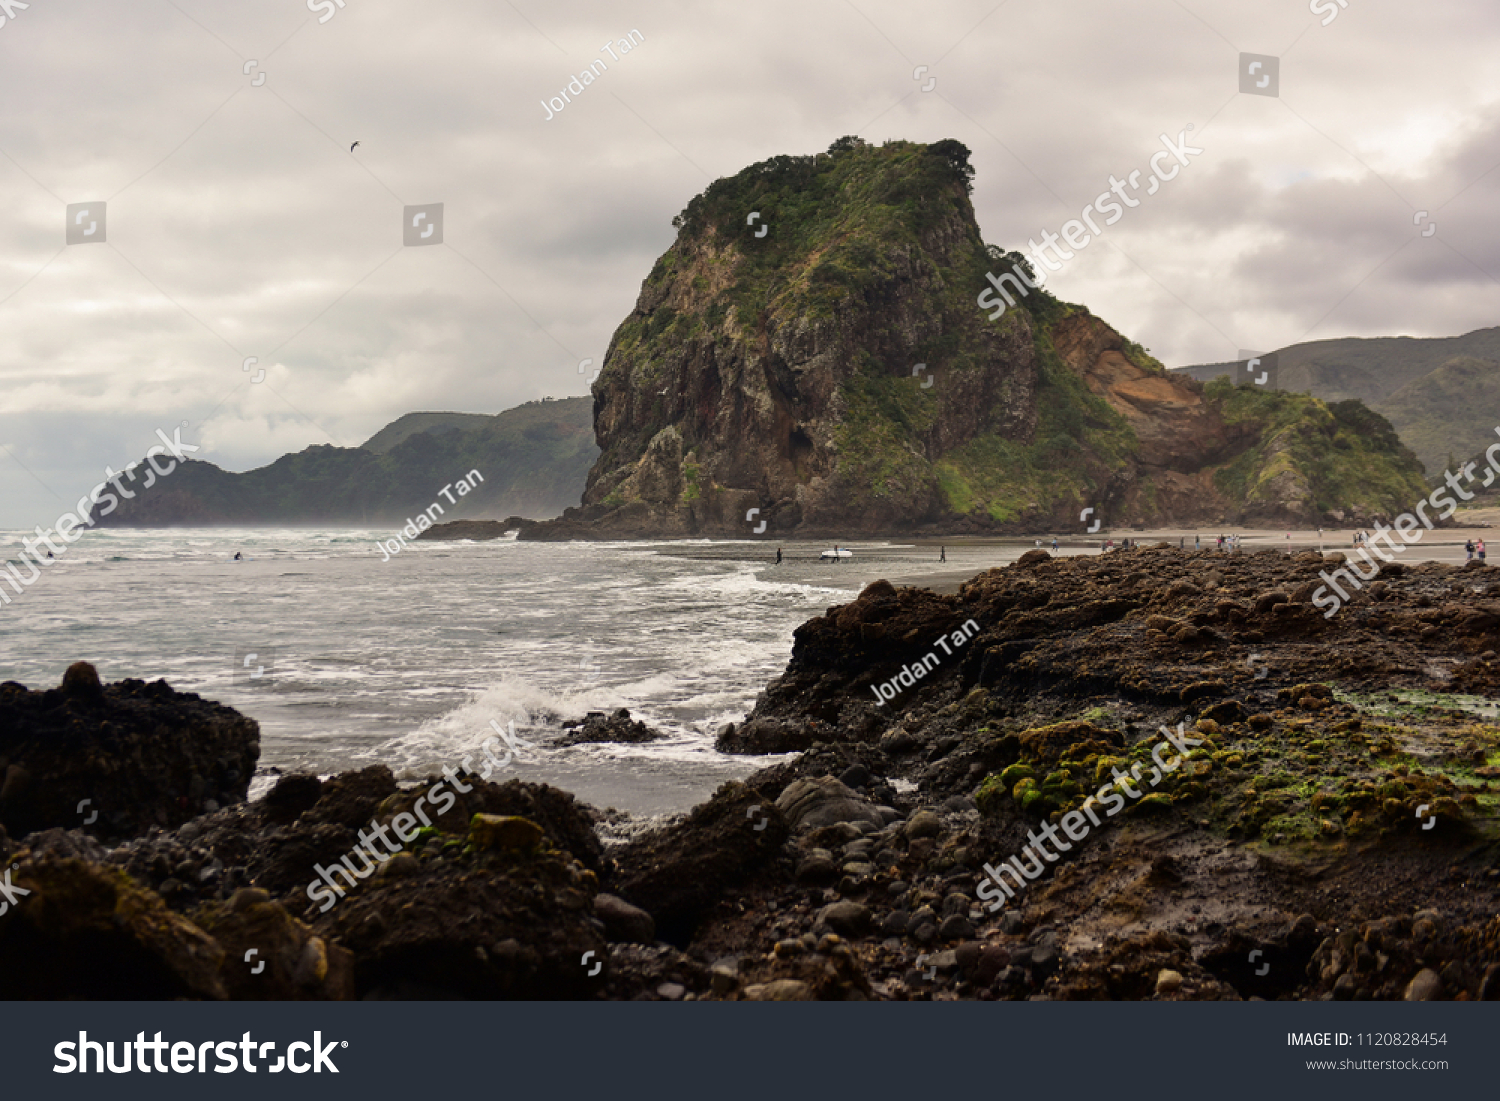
x: 918, y: 561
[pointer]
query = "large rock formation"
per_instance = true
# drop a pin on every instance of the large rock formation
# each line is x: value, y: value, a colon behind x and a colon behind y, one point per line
x: 829, y: 364
x: 116, y: 760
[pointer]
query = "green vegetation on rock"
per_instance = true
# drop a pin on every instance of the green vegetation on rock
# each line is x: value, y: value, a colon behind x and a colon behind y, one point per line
x: 1327, y: 457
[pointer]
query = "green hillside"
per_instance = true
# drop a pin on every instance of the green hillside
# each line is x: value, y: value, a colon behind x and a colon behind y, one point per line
x: 436, y: 423
x: 1442, y: 395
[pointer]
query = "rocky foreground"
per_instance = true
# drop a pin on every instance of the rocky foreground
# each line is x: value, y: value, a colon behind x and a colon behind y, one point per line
x: 1329, y: 833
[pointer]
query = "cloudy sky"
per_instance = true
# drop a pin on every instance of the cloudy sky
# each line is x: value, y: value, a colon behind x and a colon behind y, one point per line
x: 239, y: 224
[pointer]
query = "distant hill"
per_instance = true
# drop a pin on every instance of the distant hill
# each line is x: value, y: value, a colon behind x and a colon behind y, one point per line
x: 438, y: 423
x: 1441, y: 395
x: 534, y: 460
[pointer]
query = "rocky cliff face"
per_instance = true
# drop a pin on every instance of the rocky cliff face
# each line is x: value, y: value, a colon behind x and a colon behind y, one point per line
x: 813, y: 347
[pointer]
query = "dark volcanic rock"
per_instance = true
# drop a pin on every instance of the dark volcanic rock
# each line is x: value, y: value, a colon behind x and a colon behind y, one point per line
x: 680, y: 872
x: 117, y: 760
x: 271, y: 956
x: 501, y: 923
x: 598, y: 727
x: 292, y: 795
x: 480, y: 531
x: 624, y: 922
x: 85, y: 931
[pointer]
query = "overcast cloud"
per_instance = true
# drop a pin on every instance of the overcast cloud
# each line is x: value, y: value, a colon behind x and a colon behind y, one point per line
x: 240, y: 224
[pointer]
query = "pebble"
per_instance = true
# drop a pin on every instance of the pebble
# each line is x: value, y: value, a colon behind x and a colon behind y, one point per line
x: 1425, y: 986
x: 725, y: 976
x: 992, y: 961
x: 817, y: 868
x: 1168, y: 982
x: 923, y: 824
x: 956, y: 927
x: 857, y: 776
x: 850, y: 919
x: 247, y: 897
x: 782, y: 990
x: 895, y: 923
x: 671, y: 991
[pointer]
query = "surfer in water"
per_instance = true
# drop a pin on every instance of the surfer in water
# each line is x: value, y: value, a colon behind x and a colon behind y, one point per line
x: 238, y: 557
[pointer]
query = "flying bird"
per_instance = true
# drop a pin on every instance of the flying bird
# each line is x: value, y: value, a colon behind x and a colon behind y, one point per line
x: 351, y: 148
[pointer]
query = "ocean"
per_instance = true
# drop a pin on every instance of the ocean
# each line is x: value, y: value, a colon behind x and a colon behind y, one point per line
x: 346, y: 659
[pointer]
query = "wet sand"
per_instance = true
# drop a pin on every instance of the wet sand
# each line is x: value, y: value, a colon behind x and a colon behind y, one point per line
x: 916, y: 562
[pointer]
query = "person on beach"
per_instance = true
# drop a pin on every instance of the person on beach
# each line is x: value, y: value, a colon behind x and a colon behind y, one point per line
x: 943, y: 552
x: 1054, y: 544
x: 1196, y: 544
x: 1469, y: 547
x: 778, y: 556
x: 1479, y: 550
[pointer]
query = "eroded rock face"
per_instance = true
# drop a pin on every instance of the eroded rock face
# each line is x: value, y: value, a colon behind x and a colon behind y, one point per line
x: 118, y: 759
